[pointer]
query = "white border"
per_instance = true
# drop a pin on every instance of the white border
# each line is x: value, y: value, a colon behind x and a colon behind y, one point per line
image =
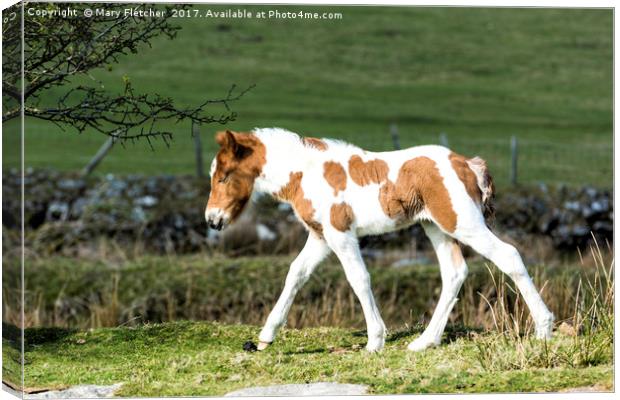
x: 505, y: 3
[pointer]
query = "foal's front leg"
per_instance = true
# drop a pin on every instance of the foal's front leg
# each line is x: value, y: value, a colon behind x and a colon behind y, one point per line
x: 346, y: 247
x: 302, y: 267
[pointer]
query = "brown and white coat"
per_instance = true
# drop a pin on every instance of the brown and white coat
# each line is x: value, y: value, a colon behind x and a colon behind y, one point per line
x: 341, y: 192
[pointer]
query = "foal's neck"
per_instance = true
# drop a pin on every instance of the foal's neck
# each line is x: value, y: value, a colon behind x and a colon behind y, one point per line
x: 285, y: 154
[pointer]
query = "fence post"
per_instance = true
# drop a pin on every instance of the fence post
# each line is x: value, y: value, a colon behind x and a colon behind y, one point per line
x: 198, y: 149
x: 395, y: 138
x: 443, y: 139
x: 514, y: 154
x: 101, y: 153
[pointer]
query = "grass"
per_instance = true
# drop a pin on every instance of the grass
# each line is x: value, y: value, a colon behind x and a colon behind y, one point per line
x: 206, y: 358
x: 488, y: 349
x: 478, y: 74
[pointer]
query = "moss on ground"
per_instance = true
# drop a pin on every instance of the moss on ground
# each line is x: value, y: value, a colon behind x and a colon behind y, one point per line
x: 206, y: 358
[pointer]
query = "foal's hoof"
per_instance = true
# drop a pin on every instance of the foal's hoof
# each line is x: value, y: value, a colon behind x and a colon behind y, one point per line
x: 262, y: 345
x: 249, y: 346
x: 375, y: 346
x: 543, y: 333
x: 544, y: 328
x: 420, y: 344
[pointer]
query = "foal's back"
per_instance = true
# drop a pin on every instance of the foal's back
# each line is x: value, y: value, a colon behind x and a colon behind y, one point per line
x: 394, y: 189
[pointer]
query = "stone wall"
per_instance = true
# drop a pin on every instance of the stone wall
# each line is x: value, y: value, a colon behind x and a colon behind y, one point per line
x: 166, y: 213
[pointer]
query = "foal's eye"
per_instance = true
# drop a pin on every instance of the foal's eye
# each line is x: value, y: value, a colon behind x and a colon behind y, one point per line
x: 224, y: 179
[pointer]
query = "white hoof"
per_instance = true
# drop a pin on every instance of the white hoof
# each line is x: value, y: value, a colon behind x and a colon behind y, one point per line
x: 262, y: 346
x: 376, y: 345
x: 544, y: 328
x: 421, y: 344
x: 267, y: 335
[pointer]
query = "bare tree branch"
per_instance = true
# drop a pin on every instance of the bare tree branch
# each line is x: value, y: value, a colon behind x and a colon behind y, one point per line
x: 59, y: 49
x: 129, y: 116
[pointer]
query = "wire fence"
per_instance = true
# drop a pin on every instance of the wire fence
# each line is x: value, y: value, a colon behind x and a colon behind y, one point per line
x: 522, y: 159
x: 512, y: 159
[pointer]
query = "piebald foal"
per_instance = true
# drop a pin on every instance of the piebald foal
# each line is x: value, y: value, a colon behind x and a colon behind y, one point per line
x: 341, y: 192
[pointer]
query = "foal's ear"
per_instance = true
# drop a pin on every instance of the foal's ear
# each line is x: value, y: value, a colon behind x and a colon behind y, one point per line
x: 229, y: 141
x: 225, y: 138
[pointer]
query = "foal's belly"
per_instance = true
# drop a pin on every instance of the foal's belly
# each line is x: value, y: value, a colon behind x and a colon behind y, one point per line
x: 370, y: 219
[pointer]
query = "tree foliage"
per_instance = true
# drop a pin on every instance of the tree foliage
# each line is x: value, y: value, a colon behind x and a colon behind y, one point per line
x: 55, y: 50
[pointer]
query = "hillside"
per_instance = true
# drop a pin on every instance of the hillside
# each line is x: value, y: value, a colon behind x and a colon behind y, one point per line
x: 478, y: 75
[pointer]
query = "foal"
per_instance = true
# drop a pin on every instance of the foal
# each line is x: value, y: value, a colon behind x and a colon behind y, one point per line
x: 341, y: 192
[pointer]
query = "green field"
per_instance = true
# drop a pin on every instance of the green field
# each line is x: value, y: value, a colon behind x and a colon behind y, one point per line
x: 479, y: 75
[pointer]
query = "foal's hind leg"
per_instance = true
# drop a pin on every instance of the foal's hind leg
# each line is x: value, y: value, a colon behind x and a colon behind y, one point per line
x: 508, y: 260
x: 453, y: 273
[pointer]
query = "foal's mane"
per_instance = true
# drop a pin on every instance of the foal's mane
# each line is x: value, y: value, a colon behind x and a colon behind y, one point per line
x: 283, y: 137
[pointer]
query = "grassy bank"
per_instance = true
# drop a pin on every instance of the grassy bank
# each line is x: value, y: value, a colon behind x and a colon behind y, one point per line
x: 89, y: 293
x: 479, y: 75
x: 190, y: 358
x: 487, y: 346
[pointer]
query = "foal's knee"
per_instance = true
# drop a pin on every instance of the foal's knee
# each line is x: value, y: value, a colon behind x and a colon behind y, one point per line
x: 460, y: 273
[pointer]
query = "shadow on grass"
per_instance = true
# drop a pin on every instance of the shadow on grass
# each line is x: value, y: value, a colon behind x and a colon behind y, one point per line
x: 306, y: 351
x: 403, y: 333
x: 39, y: 336
x: 451, y: 334
x: 394, y: 335
x: 12, y: 334
x: 454, y: 332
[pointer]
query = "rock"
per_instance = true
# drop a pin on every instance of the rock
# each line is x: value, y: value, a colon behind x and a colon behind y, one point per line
x: 166, y: 213
x: 568, y: 329
x: 71, y: 184
x: 308, y: 389
x: 57, y: 211
x: 138, y: 214
x: 146, y: 201
x: 284, y: 207
x: 405, y: 262
x: 598, y: 387
x: 264, y: 233
x: 77, y: 392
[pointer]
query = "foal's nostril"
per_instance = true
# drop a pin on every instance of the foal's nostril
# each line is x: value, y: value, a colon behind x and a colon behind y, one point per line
x: 210, y: 223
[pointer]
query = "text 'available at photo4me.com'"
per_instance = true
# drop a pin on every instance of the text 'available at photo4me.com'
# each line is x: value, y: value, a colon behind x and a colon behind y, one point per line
x: 147, y: 12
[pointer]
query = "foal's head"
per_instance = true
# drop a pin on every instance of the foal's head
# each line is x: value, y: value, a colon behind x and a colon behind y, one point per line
x: 237, y: 164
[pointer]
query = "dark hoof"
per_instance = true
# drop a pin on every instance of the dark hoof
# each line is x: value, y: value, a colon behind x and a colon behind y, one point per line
x: 249, y: 346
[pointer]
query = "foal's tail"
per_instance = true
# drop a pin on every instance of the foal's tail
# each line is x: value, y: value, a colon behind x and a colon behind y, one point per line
x: 485, y: 183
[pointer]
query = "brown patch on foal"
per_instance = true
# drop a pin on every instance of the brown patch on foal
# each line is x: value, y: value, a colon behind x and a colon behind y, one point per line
x: 335, y: 175
x: 467, y: 176
x: 294, y: 194
x: 418, y: 185
x: 365, y: 173
x: 341, y: 216
x: 315, y: 143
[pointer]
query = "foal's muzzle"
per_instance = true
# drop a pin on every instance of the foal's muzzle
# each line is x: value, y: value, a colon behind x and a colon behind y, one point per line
x: 217, y: 226
x: 216, y: 219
